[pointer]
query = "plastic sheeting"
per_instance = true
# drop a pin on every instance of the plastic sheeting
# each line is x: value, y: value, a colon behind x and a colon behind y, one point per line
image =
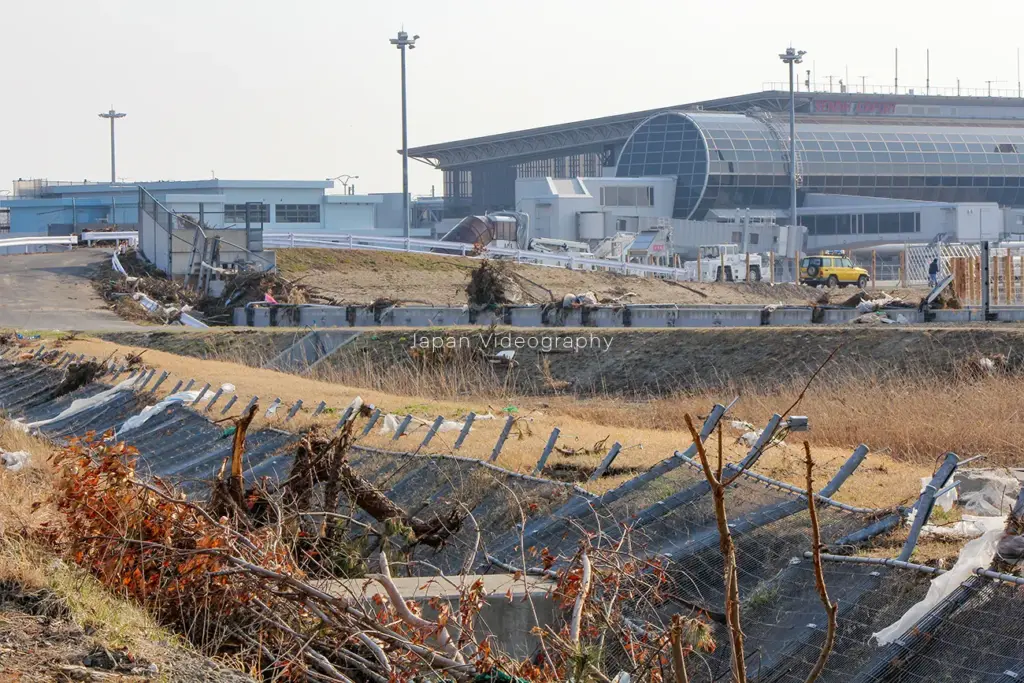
x: 976, y: 554
x: 82, y: 404
x: 947, y: 500
x: 14, y: 461
x: 149, y: 411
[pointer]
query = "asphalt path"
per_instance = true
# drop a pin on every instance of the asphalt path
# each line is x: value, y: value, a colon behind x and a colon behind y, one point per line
x: 53, y: 291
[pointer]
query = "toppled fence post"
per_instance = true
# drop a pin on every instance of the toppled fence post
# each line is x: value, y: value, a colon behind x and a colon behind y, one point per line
x: 231, y: 402
x: 320, y: 408
x: 216, y: 397
x: 39, y: 351
x: 402, y: 427
x: 501, y: 438
x: 189, y: 385
x: 547, y: 452
x: 202, y: 392
x: 160, y: 380
x: 344, y: 418
x: 176, y: 386
x: 374, y: 416
x: 295, y: 409
x: 926, y: 502
x: 145, y: 381
x: 465, y: 430
x: 252, y: 402
x: 432, y: 431
x: 607, y: 462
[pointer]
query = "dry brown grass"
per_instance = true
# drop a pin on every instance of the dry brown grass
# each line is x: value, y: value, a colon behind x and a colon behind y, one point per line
x: 648, y: 431
x: 24, y: 506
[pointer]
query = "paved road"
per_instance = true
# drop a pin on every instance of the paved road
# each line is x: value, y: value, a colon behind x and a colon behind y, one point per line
x: 53, y: 292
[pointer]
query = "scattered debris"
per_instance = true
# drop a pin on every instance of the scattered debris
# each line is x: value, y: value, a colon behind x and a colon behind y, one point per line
x: 14, y: 461
x: 76, y: 375
x: 970, y: 526
x: 579, y: 300
x: 599, y: 448
x: 493, y: 284
x: 987, y: 491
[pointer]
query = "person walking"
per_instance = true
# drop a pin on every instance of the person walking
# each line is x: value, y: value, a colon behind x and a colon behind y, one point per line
x: 933, y: 273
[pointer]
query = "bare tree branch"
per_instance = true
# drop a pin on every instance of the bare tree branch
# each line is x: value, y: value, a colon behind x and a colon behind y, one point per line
x: 831, y: 608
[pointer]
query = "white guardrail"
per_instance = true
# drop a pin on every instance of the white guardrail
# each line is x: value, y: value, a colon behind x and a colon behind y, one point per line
x: 568, y: 260
x: 131, y: 237
x: 69, y: 240
x: 37, y: 241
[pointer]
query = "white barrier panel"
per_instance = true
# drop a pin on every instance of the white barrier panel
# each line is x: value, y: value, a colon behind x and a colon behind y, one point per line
x: 128, y: 236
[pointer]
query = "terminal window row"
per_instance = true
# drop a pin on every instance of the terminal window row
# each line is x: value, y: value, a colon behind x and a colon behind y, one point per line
x: 868, y: 223
x: 297, y: 213
x: 627, y: 196
x: 258, y: 213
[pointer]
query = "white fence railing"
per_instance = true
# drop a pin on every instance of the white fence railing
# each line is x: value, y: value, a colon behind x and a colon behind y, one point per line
x: 36, y: 241
x: 131, y: 237
x: 567, y: 260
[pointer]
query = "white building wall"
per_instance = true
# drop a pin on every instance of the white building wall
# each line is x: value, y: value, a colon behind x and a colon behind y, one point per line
x: 554, y: 204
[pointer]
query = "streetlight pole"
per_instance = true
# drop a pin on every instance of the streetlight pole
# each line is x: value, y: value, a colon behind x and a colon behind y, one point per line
x: 403, y: 41
x: 792, y: 57
x: 112, y: 115
x: 345, y: 178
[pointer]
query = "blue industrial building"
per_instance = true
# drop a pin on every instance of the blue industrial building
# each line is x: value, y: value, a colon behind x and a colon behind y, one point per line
x: 42, y: 207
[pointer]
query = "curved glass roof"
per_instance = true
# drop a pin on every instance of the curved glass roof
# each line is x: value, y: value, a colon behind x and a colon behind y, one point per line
x: 741, y: 161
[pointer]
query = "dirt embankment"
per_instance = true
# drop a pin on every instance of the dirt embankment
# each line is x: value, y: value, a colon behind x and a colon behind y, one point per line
x: 361, y: 277
x: 249, y: 346
x: 616, y: 362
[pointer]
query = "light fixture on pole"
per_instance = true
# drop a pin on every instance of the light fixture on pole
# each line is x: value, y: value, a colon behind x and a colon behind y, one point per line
x: 112, y: 115
x: 403, y: 41
x: 345, y: 178
x: 792, y: 57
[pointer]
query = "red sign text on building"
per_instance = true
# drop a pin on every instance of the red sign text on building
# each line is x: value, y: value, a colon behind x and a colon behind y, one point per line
x: 841, y: 107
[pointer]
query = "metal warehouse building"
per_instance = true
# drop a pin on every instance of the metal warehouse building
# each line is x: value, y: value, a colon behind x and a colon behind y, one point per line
x: 873, y: 168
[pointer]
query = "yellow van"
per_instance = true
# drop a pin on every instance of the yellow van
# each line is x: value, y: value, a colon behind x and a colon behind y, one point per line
x: 832, y: 271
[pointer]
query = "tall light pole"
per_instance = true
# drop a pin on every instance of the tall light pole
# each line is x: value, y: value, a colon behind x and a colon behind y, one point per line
x: 401, y: 42
x: 792, y: 57
x: 112, y: 115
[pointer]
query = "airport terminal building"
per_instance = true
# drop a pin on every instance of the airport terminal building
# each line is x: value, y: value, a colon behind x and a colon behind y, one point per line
x: 871, y: 169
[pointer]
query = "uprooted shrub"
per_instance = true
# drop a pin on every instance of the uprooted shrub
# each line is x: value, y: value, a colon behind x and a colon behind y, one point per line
x: 235, y: 587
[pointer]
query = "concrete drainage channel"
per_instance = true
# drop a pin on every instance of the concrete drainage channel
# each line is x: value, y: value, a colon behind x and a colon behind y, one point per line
x: 650, y: 316
x: 669, y: 509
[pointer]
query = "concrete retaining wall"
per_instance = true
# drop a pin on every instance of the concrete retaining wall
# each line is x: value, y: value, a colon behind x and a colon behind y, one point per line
x: 699, y: 316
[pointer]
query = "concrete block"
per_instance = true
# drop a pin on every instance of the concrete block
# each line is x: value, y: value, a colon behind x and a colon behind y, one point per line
x: 953, y: 316
x: 510, y: 622
x: 603, y: 317
x: 428, y: 316
x: 719, y: 316
x: 524, y: 316
x: 647, y: 316
x: 361, y: 316
x: 323, y: 316
x: 790, y: 316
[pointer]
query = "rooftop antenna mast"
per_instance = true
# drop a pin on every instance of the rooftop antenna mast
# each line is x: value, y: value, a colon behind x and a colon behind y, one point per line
x: 896, y: 82
x: 1018, y: 72
x: 928, y: 71
x: 989, y: 84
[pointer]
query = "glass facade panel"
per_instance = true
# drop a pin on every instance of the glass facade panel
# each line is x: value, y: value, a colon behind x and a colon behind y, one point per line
x: 751, y: 165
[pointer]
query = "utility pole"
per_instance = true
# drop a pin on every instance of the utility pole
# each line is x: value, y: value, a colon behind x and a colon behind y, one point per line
x: 403, y: 41
x: 112, y: 115
x: 792, y: 57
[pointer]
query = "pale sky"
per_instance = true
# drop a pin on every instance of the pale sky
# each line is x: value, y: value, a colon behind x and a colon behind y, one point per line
x: 255, y: 89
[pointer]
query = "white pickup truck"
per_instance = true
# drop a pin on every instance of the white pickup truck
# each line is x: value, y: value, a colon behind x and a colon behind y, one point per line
x: 716, y: 258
